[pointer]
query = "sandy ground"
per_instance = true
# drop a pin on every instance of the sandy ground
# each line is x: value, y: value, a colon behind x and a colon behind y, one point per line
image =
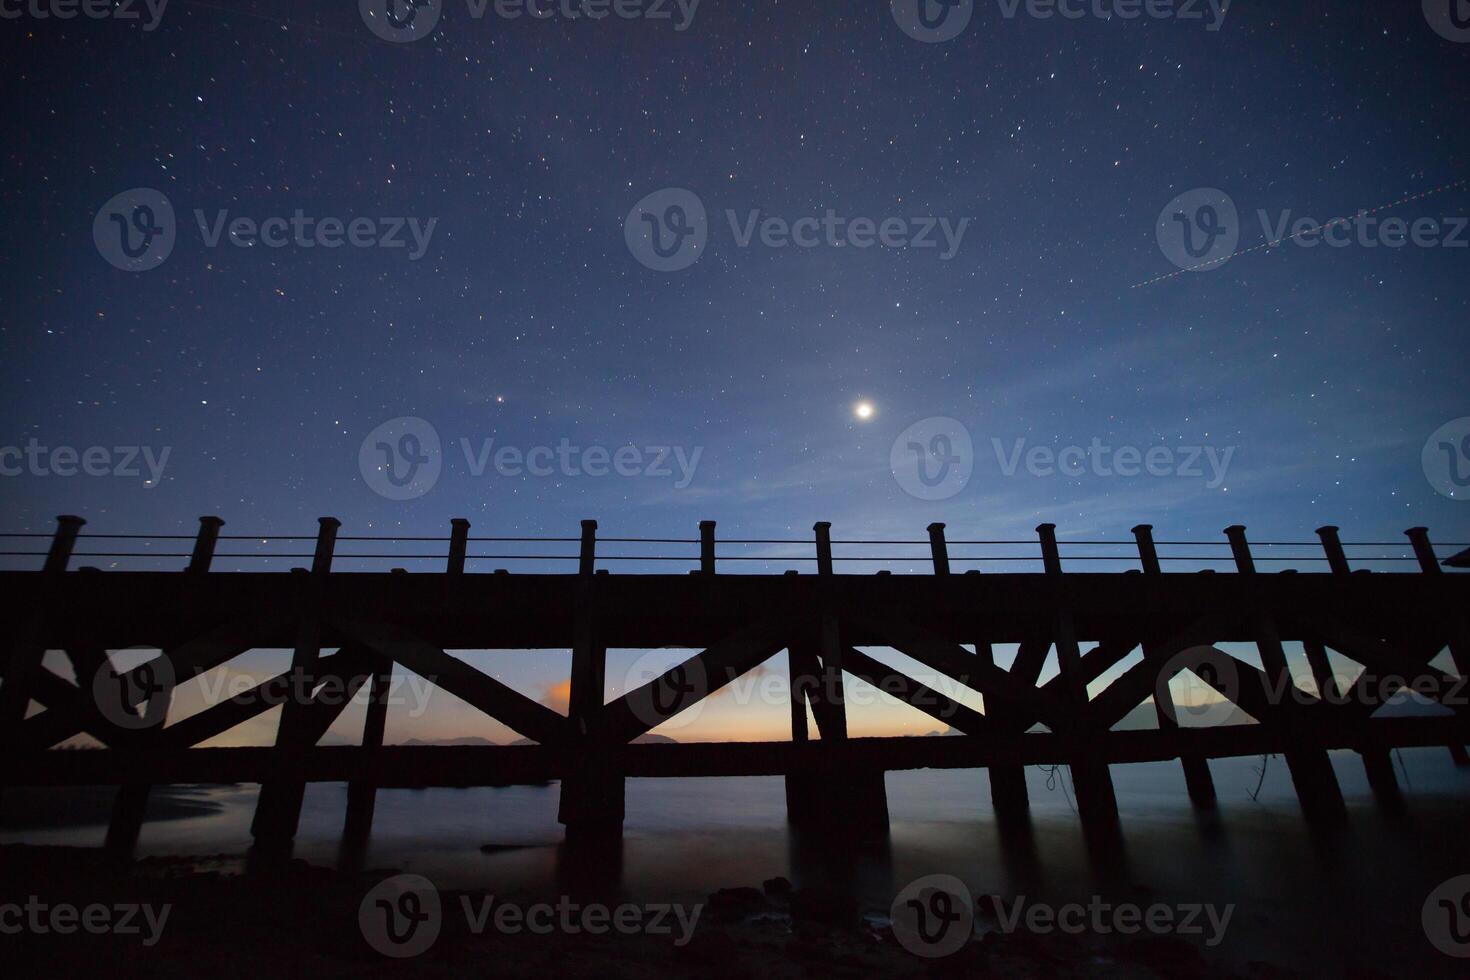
x: 303, y: 921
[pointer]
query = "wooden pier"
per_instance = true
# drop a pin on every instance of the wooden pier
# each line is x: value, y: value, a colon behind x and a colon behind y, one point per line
x: 1393, y: 624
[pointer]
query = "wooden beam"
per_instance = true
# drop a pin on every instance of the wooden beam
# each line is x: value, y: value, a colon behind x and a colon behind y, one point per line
x: 506, y: 705
x: 645, y: 708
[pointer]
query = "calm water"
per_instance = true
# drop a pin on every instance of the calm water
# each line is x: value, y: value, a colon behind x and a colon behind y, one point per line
x: 1350, y: 898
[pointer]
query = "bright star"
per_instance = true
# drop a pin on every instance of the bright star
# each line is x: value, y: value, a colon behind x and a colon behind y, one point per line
x: 863, y: 410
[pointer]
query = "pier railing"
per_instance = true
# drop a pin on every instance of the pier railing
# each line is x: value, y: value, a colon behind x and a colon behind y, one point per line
x: 350, y: 623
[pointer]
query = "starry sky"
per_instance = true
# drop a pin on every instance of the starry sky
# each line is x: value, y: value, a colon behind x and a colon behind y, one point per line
x: 528, y: 320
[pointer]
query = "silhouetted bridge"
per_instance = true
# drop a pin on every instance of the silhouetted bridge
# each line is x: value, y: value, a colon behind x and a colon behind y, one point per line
x: 1391, y: 624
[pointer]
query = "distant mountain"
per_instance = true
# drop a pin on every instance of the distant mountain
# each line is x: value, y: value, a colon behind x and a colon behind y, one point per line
x: 463, y: 740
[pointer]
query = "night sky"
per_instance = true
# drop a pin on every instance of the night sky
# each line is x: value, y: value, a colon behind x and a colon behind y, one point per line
x: 529, y: 320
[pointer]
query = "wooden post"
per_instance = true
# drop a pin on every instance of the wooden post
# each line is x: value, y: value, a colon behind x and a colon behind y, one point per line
x: 1097, y: 804
x: 1336, y: 558
x: 1311, y: 769
x: 938, y: 549
x: 824, y: 547
x: 707, y: 547
x: 1459, y: 643
x: 130, y: 805
x: 1007, y: 782
x: 592, y: 789
x: 28, y: 651
x: 1148, y: 555
x: 278, y: 810
x: 1197, y: 779
x: 588, y: 560
x: 459, y: 545
x: 204, y: 544
x: 362, y: 793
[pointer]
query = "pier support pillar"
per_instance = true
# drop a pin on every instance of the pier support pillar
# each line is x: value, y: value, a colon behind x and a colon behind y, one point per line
x: 840, y: 801
x: 1379, y: 766
x: 128, y: 808
x: 1198, y: 782
x: 1008, y: 789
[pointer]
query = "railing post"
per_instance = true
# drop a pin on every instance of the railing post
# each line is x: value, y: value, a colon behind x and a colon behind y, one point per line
x: 204, y: 545
x: 707, y: 547
x: 68, y: 526
x: 1240, y: 549
x: 326, y: 544
x: 938, y: 549
x: 1051, y: 557
x: 824, y: 547
x: 1424, y: 551
x: 588, y: 560
x: 1332, y: 546
x: 1148, y: 555
x: 459, y: 544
